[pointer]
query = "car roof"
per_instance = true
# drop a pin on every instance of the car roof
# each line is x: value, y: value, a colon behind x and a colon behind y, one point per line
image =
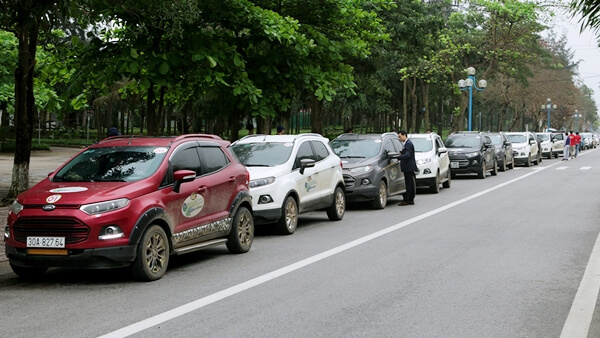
x: 164, y: 141
x: 374, y: 136
x: 279, y: 138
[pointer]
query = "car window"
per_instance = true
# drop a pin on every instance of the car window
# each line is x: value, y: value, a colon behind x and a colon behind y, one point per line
x: 463, y: 141
x: 438, y: 143
x: 496, y: 139
x: 304, y: 152
x: 388, y: 146
x: 186, y: 158
x: 422, y: 144
x: 112, y: 164
x: 214, y: 159
x: 543, y: 137
x: 397, y: 144
x: 263, y: 154
x: 321, y: 151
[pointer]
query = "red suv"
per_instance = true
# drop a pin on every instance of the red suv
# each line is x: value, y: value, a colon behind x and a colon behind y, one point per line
x: 132, y: 201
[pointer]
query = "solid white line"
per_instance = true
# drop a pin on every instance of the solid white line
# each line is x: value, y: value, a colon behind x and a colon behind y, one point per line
x: 202, y: 302
x: 561, y: 168
x: 585, y: 168
x: 581, y: 313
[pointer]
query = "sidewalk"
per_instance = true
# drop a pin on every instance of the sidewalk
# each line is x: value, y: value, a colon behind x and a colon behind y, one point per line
x: 42, y: 163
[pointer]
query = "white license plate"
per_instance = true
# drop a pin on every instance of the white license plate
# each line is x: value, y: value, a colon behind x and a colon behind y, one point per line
x: 454, y: 165
x: 45, y: 242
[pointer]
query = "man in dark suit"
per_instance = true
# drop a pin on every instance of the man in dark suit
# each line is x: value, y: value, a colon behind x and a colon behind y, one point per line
x: 408, y: 165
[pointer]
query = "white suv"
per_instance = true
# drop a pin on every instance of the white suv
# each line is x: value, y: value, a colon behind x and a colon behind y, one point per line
x: 432, y: 160
x: 525, y: 147
x: 290, y: 175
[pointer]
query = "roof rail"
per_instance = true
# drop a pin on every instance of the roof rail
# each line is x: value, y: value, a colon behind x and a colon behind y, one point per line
x: 210, y: 136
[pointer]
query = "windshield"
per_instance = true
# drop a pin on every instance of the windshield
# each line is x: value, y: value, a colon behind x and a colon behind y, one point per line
x: 112, y: 164
x: 263, y: 154
x: 422, y: 145
x: 543, y: 137
x: 463, y: 141
x: 356, y: 148
x: 496, y: 139
x: 517, y: 138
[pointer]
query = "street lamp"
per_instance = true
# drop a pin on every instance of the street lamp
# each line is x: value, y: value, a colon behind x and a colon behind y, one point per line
x: 469, y: 84
x: 548, y: 106
x: 577, y: 115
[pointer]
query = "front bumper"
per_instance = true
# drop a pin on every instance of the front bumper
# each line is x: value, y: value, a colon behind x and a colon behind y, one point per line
x: 112, y: 257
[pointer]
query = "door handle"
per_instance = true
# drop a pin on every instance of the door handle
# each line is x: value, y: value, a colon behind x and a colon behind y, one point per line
x: 202, y: 189
x: 231, y: 179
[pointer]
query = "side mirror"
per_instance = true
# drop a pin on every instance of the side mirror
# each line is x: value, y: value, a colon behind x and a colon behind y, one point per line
x: 392, y: 155
x: 442, y: 150
x: 306, y: 163
x: 182, y: 176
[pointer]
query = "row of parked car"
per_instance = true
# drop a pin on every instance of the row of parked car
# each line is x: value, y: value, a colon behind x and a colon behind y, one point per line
x: 131, y: 201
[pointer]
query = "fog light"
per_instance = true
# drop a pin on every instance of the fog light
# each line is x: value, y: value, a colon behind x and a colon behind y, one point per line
x: 264, y: 199
x: 475, y: 162
x: 6, y: 232
x: 111, y: 232
x: 426, y: 171
x: 365, y: 181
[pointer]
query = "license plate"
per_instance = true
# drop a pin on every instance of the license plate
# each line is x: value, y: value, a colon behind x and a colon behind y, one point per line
x: 454, y: 165
x: 45, y: 242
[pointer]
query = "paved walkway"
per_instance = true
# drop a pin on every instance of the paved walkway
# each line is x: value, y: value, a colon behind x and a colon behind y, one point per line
x: 42, y: 163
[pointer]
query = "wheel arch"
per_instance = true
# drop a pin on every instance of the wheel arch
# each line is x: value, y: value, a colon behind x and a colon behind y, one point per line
x: 156, y: 216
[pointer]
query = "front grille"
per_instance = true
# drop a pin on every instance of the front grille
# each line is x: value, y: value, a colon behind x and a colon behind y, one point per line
x: 71, y: 229
x: 349, y: 181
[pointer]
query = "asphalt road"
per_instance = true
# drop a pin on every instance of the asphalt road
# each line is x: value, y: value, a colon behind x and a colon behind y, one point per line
x: 500, y: 257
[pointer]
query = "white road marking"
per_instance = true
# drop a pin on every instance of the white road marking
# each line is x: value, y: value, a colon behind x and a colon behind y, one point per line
x: 582, y: 300
x: 585, y: 168
x: 561, y: 168
x: 581, y: 313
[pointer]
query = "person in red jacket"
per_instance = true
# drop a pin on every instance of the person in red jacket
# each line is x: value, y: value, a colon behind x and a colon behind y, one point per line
x: 577, y: 143
x: 571, y: 145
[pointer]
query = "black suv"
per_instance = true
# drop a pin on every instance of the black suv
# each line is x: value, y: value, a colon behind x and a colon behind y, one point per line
x: 371, y: 166
x: 471, y: 152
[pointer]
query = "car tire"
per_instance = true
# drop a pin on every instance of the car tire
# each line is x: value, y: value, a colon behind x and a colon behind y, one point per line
x: 512, y: 164
x: 528, y: 162
x: 494, y: 171
x: 435, y: 187
x: 482, y: 172
x: 537, y: 159
x: 381, y: 200
x: 447, y: 182
x: 152, y: 256
x: 242, y: 232
x: 336, y: 211
x: 503, y: 166
x: 27, y: 272
x: 289, y: 217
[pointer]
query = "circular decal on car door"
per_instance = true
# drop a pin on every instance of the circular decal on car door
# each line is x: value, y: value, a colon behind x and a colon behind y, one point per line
x: 192, y: 205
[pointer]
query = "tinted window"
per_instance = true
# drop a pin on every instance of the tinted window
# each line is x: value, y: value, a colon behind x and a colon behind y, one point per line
x: 304, y: 152
x: 388, y: 146
x: 463, y: 141
x: 517, y: 138
x: 321, y: 151
x: 214, y: 158
x: 356, y: 148
x: 187, y: 159
x: 397, y: 144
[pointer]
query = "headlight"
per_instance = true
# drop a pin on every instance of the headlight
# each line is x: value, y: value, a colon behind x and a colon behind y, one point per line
x: 424, y: 161
x: 362, y: 170
x: 261, y: 181
x: 102, y: 207
x: 474, y: 154
x: 16, y: 207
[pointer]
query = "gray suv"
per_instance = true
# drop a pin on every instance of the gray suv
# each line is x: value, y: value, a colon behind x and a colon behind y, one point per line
x: 370, y: 166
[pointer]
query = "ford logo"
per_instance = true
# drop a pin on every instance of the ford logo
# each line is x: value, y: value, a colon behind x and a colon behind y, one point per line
x: 49, y: 207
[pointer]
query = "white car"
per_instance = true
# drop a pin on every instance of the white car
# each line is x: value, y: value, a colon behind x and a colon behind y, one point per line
x: 290, y: 175
x: 525, y: 147
x: 432, y: 160
x: 552, y: 144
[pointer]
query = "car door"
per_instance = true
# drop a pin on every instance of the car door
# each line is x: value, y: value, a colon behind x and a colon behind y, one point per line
x: 190, y: 207
x: 443, y: 158
x: 488, y: 152
x: 325, y: 169
x: 306, y: 183
x: 223, y: 184
x: 395, y: 173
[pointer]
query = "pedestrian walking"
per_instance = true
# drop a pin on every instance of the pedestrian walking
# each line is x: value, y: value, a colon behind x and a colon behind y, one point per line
x: 571, y: 145
x: 577, y: 143
x: 566, y: 152
x: 408, y: 165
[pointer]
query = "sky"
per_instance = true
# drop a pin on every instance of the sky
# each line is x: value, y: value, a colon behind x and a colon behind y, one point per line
x: 585, y: 49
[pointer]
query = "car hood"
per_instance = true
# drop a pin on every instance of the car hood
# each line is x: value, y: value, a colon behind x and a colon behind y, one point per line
x: 262, y: 172
x: 78, y: 193
x: 349, y: 163
x: 454, y: 151
x: 522, y: 144
x: 423, y: 155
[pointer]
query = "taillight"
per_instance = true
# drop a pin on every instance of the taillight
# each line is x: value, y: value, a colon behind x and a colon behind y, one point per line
x: 247, y: 177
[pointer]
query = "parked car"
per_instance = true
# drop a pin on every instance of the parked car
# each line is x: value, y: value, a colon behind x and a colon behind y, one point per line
x: 558, y: 143
x: 589, y: 141
x: 525, y: 147
x: 371, y: 167
x: 291, y: 175
x: 433, y: 161
x: 471, y: 152
x: 132, y: 201
x: 550, y: 145
x: 504, y: 152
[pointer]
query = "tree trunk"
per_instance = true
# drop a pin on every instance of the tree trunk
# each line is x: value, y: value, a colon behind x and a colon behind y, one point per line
x: 150, y: 113
x: 316, y: 119
x: 27, y: 34
x: 415, y: 106
x: 404, y: 122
